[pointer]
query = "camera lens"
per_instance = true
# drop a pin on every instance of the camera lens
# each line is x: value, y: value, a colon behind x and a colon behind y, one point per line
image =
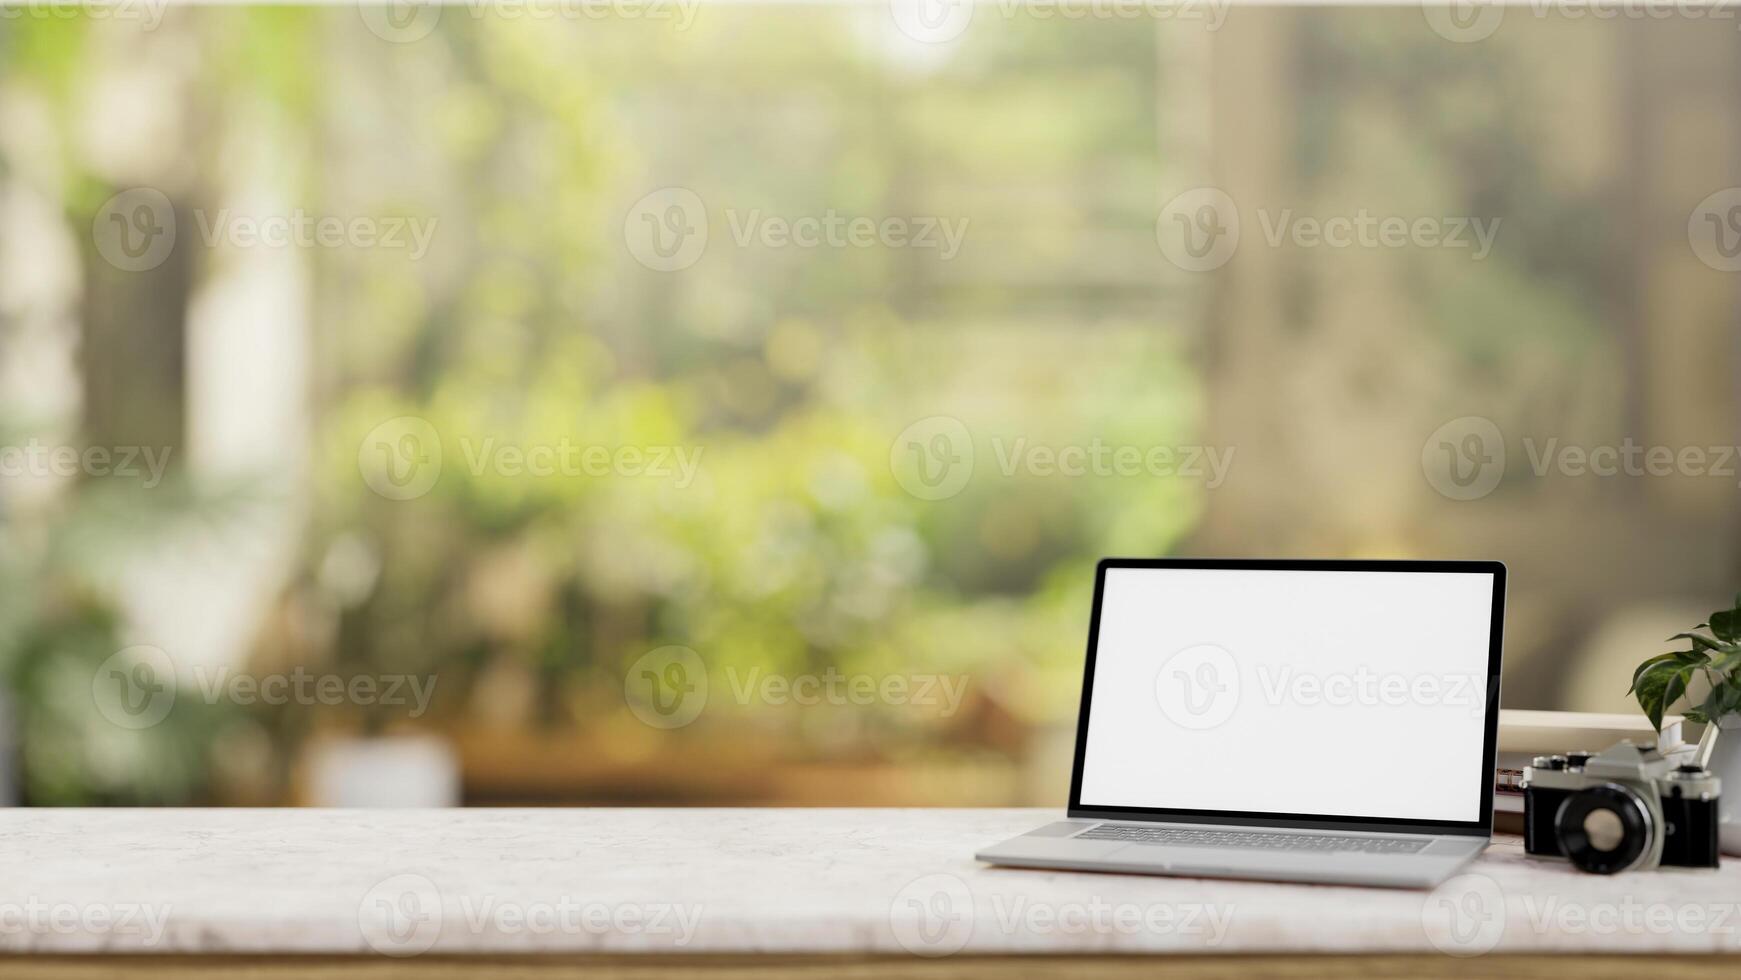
x: 1604, y: 829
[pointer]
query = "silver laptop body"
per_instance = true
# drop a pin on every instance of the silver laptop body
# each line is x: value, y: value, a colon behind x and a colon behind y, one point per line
x: 1317, y: 721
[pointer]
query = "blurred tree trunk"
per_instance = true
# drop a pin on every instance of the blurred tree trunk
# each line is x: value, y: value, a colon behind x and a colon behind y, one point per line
x: 133, y: 357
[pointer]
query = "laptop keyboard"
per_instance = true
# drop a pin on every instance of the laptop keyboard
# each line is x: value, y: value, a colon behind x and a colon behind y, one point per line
x: 1248, y: 839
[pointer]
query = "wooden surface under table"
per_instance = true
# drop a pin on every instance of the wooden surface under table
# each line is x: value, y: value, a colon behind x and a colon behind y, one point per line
x: 800, y: 967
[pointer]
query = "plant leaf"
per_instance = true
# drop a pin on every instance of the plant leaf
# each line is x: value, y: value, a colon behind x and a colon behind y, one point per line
x: 1659, y: 658
x: 1723, y: 701
x: 1676, y: 689
x: 1661, y: 685
x: 1727, y: 624
x: 1712, y: 706
x: 1727, y: 659
x: 1651, y: 688
x: 1699, y: 641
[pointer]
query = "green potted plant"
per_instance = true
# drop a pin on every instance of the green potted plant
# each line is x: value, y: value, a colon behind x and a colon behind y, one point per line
x: 1707, y: 678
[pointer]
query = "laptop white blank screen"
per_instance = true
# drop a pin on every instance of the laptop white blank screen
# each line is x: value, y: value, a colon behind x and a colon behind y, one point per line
x: 1330, y: 693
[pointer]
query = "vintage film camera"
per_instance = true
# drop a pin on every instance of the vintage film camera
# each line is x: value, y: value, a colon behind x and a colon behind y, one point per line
x: 1626, y: 808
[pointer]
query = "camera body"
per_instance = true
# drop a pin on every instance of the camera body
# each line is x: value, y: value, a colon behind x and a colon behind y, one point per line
x: 1626, y: 808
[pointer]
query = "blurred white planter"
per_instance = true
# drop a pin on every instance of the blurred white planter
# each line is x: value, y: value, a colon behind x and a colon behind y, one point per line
x: 392, y: 771
x: 1726, y: 764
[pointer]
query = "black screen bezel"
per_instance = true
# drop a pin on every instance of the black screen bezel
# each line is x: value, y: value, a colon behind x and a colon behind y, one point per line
x: 1481, y: 826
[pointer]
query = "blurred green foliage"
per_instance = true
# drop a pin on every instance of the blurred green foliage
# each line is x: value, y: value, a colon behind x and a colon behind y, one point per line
x: 59, y: 629
x: 789, y: 375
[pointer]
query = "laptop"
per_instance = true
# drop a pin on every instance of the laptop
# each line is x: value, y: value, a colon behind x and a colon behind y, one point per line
x: 1320, y: 721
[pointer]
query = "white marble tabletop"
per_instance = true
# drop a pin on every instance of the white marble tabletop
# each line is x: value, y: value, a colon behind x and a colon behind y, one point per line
x: 751, y: 881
